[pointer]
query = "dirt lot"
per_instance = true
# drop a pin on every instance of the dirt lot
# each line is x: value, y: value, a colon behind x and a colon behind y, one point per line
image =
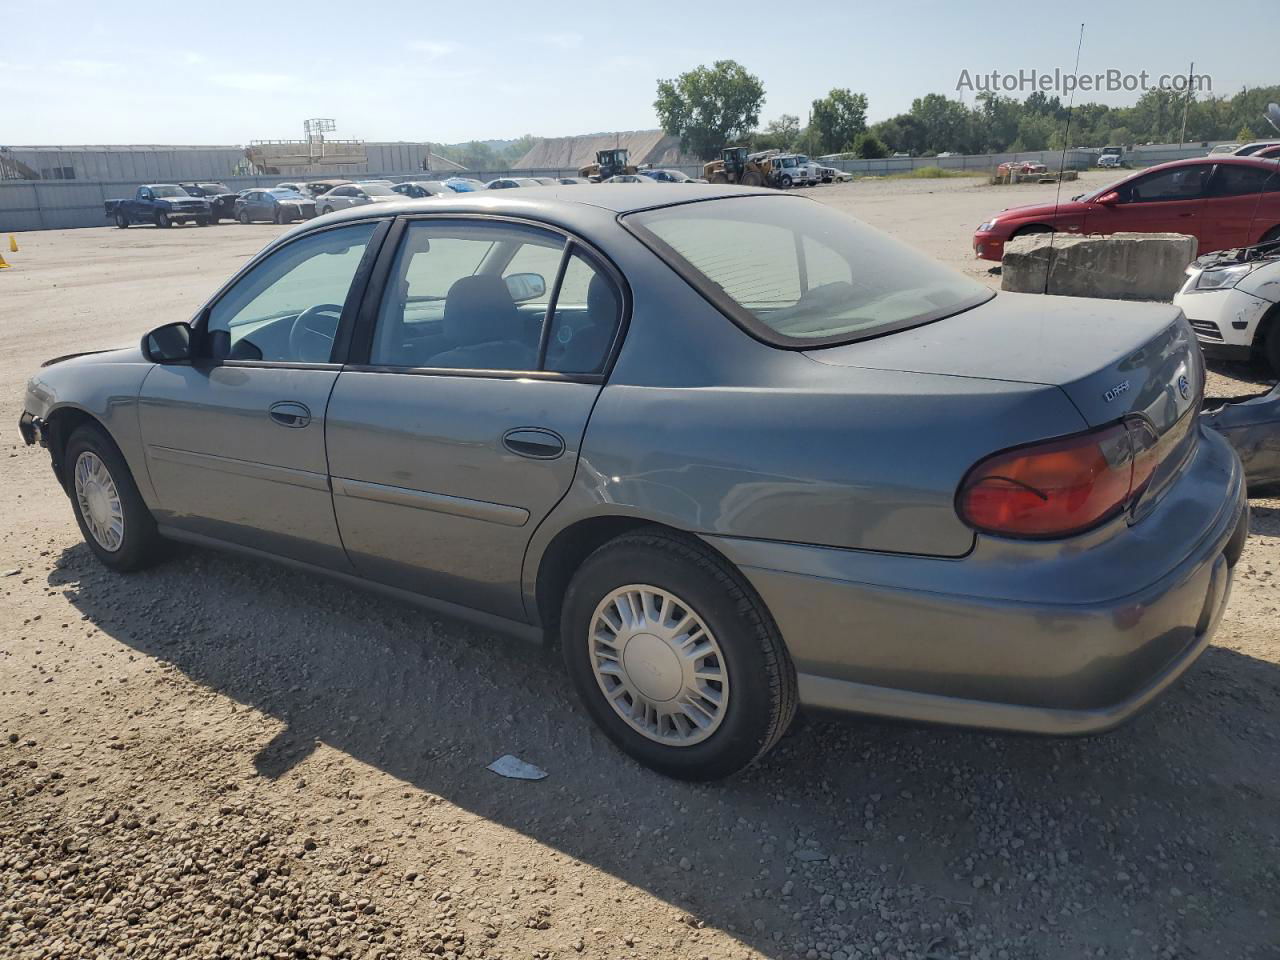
x: 222, y: 758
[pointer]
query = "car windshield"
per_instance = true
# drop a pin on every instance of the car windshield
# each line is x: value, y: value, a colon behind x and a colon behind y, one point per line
x: 377, y: 190
x: 167, y: 190
x: 215, y: 188
x: 797, y: 273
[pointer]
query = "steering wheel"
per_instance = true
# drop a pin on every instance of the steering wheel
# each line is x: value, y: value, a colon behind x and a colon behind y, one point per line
x: 313, y: 331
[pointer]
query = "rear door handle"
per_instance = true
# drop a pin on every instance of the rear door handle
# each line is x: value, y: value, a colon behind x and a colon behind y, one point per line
x: 536, y: 443
x: 287, y: 413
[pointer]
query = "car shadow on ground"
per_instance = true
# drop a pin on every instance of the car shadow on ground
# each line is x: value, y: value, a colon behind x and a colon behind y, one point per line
x: 887, y: 834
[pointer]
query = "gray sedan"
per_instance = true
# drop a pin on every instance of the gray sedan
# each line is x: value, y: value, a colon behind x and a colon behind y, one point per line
x: 732, y: 451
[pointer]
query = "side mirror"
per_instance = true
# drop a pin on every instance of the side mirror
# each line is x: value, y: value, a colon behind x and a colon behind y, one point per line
x: 525, y: 286
x: 1109, y: 199
x: 168, y: 344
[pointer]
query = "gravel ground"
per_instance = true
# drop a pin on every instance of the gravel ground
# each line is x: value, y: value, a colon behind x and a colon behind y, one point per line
x: 221, y: 758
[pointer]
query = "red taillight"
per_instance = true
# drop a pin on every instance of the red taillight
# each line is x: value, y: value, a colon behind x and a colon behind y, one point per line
x: 1059, y: 487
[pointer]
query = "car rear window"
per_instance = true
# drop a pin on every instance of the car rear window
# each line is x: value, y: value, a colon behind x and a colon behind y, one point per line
x: 796, y: 273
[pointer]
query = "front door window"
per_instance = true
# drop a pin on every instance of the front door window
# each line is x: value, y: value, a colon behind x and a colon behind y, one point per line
x: 287, y: 309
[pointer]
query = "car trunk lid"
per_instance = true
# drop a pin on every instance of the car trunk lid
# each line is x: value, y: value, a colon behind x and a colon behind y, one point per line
x: 1111, y: 359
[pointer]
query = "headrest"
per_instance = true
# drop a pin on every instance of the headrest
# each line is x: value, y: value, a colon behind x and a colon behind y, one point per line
x: 479, y: 309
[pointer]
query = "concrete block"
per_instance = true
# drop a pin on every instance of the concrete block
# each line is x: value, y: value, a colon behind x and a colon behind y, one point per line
x: 1122, y: 266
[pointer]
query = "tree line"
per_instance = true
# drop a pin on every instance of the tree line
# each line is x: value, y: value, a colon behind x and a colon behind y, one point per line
x: 716, y: 106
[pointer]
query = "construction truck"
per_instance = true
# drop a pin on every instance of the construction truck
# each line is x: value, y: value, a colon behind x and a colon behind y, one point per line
x: 737, y: 166
x: 609, y: 163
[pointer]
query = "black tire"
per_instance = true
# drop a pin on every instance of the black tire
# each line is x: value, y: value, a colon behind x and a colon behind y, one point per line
x: 141, y: 544
x: 244, y: 217
x: 122, y: 222
x: 785, y: 182
x: 762, y: 681
x: 1271, y: 340
x: 1036, y: 228
x: 202, y: 221
x: 752, y: 178
x: 162, y: 220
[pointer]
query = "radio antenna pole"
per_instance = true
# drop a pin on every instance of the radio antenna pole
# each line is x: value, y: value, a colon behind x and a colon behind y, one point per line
x: 1062, y: 164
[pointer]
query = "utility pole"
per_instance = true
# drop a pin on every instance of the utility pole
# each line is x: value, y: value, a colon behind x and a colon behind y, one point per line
x: 1186, y: 105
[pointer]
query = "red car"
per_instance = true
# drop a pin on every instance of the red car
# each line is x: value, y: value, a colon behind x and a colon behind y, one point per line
x: 1021, y: 166
x: 1223, y: 202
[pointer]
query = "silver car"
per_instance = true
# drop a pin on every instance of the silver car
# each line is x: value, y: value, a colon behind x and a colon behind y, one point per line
x: 731, y: 450
x: 355, y: 195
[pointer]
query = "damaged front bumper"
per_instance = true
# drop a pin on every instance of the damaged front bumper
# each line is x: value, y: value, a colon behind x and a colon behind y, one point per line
x: 32, y: 429
x: 1252, y: 426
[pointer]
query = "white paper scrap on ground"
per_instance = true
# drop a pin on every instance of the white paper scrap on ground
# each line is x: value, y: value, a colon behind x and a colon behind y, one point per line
x: 516, y: 769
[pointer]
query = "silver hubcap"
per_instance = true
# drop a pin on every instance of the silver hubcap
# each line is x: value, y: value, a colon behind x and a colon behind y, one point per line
x: 658, y: 665
x: 99, y: 501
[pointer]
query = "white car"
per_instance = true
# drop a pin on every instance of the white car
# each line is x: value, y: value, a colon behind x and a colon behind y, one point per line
x: 354, y: 195
x: 1232, y: 299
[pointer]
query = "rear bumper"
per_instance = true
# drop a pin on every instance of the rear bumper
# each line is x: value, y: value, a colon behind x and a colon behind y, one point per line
x: 1069, y: 639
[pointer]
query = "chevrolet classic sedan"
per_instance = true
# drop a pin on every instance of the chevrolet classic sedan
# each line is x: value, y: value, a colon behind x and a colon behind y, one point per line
x: 732, y: 451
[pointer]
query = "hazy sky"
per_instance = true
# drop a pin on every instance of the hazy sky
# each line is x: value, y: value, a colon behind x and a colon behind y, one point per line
x: 146, y: 72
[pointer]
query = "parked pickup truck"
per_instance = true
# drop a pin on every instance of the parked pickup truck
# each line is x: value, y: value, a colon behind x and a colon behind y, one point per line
x: 163, y: 204
x: 221, y: 197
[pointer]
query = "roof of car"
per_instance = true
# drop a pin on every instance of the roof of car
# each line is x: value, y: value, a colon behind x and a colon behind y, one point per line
x: 556, y: 204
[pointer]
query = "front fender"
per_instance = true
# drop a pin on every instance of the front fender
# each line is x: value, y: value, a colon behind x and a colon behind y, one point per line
x: 101, y: 386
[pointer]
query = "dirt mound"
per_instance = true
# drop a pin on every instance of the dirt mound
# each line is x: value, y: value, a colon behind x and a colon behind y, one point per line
x: 654, y: 147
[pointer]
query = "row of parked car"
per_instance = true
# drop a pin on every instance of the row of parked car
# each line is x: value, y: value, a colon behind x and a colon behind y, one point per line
x: 206, y: 202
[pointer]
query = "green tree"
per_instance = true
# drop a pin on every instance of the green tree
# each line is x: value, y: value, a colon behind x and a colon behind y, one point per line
x: 516, y: 149
x: 837, y: 120
x: 902, y: 134
x: 779, y: 134
x: 947, y: 123
x: 869, y: 147
x: 710, y: 106
x: 1246, y: 134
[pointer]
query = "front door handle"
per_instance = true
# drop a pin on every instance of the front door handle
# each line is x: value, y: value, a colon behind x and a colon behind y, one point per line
x: 290, y: 414
x: 536, y: 443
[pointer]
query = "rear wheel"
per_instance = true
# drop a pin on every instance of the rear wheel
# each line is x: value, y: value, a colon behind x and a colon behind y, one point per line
x: 114, y: 521
x: 751, y: 179
x: 719, y: 178
x: 675, y: 657
x: 202, y: 221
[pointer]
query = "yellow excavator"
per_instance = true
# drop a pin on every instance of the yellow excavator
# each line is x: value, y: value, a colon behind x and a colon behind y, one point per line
x: 736, y: 166
x: 609, y: 163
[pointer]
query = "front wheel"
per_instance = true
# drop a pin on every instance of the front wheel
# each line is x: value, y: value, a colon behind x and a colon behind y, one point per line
x: 122, y: 222
x: 244, y: 217
x: 785, y: 183
x: 675, y: 657
x: 719, y: 178
x: 114, y: 521
x: 162, y: 220
x: 752, y: 179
